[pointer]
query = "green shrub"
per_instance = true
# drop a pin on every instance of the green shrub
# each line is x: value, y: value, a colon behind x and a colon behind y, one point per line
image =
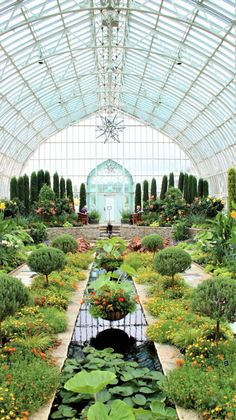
x: 46, y: 260
x: 170, y: 261
x: 180, y: 231
x: 13, y: 295
x: 216, y: 298
x: 152, y: 242
x: 65, y: 243
x: 55, y: 318
x: 38, y: 232
x: 138, y: 260
x: 80, y: 260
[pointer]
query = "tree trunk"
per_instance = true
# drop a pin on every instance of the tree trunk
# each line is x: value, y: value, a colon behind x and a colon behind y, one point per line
x: 217, y: 330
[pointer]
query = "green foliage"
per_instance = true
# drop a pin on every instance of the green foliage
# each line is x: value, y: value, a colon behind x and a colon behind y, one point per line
x: 55, y: 318
x: 170, y: 261
x: 145, y: 191
x: 26, y: 194
x: 231, y: 186
x: 38, y: 232
x: 216, y: 298
x: 62, y: 187
x: 47, y: 178
x: 82, y: 196
x: 180, y: 231
x: 33, y: 188
x: 46, y: 260
x: 186, y: 188
x: 181, y: 181
x: 40, y: 179
x: 94, y: 216
x: 137, y: 198
x: 21, y: 189
x: 56, y: 184
x: 13, y: 295
x: 65, y: 243
x: 69, y: 190
x: 90, y: 382
x: 205, y: 191
x: 138, y: 260
x: 191, y: 188
x: 152, y: 242
x: 171, y: 180
x: 164, y: 186
x: 153, y: 192
x: 200, y: 187
x: 13, y: 188
x: 80, y: 260
x: 46, y: 196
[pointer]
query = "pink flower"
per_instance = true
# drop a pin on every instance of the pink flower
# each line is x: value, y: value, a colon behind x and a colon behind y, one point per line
x: 167, y: 218
x: 152, y: 197
x: 151, y: 206
x: 38, y: 211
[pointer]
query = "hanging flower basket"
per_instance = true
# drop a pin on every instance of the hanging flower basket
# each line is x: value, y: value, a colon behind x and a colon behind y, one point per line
x: 115, y: 315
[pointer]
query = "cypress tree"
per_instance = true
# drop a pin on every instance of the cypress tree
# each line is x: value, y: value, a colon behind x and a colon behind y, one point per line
x: 200, y: 188
x: 145, y: 191
x: 82, y: 196
x: 62, y: 187
x: 164, y: 186
x: 47, y: 178
x: 205, y: 188
x: 186, y: 188
x: 181, y: 181
x: 231, y: 185
x: 190, y: 189
x: 154, y: 188
x: 40, y: 179
x: 21, y: 189
x: 26, y: 194
x: 137, y: 200
x: 194, y: 187
x: 34, y: 195
x: 56, y: 184
x: 69, y: 190
x: 13, y: 188
x: 171, y: 180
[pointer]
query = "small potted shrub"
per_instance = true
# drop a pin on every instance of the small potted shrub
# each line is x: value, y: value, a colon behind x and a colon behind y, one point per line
x: 152, y: 242
x: 66, y: 243
x: 94, y: 217
x: 46, y: 260
x: 170, y: 261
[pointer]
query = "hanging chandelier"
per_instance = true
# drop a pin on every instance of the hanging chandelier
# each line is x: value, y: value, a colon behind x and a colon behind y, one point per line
x: 110, y: 128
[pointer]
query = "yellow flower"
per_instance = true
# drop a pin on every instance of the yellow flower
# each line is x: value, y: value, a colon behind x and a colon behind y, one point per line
x: 233, y: 214
x: 2, y: 206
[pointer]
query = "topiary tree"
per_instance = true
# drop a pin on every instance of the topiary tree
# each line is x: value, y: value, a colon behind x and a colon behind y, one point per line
x: 69, y: 190
x: 205, y: 192
x: 200, y: 187
x: 186, y: 188
x: 216, y: 298
x: 46, y: 195
x: 145, y: 191
x: 137, y: 198
x: 46, y: 260
x: 191, y: 196
x: 62, y: 187
x: 65, y: 243
x: 171, y: 180
x: 181, y: 181
x: 13, y: 188
x: 164, y: 186
x: 21, y: 189
x: 231, y: 185
x: 56, y: 184
x: 154, y: 188
x: 26, y: 194
x: 152, y: 242
x: 194, y: 187
x: 47, y: 178
x: 34, y: 195
x: 13, y: 295
x: 170, y: 261
x: 40, y: 179
x: 82, y: 196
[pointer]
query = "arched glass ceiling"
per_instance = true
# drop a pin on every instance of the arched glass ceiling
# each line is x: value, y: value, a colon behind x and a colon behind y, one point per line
x: 170, y: 63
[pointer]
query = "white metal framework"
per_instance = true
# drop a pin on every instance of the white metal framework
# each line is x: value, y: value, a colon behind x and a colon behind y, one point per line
x: 169, y: 63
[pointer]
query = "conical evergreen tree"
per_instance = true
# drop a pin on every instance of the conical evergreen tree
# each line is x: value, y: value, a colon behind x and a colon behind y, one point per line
x: 171, y: 180
x: 205, y: 188
x: 181, y: 181
x: 26, y: 194
x: 137, y: 199
x: 62, y: 187
x: 154, y: 188
x: 34, y: 195
x: 164, y: 186
x: 13, y: 188
x: 200, y: 187
x: 186, y: 188
x: 21, y: 189
x: 82, y: 196
x: 69, y: 190
x: 145, y: 191
x: 194, y: 187
x: 47, y: 178
x: 231, y: 185
x: 56, y: 184
x: 190, y: 189
x: 40, y: 179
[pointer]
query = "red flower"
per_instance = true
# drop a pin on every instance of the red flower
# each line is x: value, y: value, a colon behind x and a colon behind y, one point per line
x: 121, y: 299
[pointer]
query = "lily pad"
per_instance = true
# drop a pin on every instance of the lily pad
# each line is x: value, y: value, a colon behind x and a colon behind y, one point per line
x: 139, y: 399
x: 89, y: 382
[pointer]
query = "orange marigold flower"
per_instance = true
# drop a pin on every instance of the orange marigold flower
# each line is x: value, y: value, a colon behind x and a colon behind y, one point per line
x: 233, y: 214
x: 179, y: 362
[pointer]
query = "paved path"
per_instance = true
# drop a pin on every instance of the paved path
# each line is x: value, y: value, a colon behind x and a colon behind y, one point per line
x: 24, y: 274
x: 195, y: 275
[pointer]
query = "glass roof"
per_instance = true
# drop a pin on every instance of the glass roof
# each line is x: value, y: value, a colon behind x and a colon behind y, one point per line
x: 169, y: 63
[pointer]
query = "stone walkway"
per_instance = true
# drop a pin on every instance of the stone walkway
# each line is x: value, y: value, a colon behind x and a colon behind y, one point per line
x: 24, y: 274
x: 195, y: 275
